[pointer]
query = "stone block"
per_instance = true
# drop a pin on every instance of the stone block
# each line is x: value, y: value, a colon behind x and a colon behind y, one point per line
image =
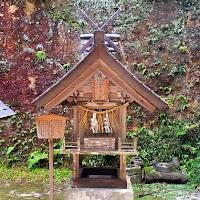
x: 100, y: 193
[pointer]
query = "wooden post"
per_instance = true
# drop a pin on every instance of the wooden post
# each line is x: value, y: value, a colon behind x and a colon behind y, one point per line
x: 122, y: 173
x: 50, y: 168
x: 119, y: 144
x: 75, y: 165
x: 78, y: 144
x: 135, y: 143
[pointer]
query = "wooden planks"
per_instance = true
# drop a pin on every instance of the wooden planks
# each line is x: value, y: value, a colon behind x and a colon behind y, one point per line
x: 101, y: 90
x: 50, y: 126
x: 102, y: 143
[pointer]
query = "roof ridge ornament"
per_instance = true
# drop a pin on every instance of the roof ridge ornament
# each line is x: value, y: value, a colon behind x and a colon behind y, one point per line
x: 108, y: 38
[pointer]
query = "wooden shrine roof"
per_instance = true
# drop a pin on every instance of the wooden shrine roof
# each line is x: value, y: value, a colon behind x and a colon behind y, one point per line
x: 99, y: 59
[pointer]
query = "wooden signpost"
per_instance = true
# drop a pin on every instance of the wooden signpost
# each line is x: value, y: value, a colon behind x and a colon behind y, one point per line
x: 50, y: 126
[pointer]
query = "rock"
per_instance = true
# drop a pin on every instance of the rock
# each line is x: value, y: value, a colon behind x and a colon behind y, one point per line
x: 176, y: 162
x: 137, y: 161
x: 163, y: 167
x: 135, y: 173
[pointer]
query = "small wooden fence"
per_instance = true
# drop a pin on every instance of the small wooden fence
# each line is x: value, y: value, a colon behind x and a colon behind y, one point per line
x: 127, y: 146
x: 76, y: 146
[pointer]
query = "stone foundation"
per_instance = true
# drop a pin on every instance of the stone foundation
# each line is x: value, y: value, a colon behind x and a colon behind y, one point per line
x: 100, y: 193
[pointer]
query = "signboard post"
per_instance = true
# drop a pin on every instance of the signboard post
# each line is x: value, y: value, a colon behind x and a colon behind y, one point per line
x: 50, y: 126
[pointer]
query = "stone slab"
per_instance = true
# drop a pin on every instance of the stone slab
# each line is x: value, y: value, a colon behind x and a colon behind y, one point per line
x: 100, y: 193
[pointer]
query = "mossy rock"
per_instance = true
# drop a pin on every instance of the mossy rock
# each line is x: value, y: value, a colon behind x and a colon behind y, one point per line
x: 148, y: 170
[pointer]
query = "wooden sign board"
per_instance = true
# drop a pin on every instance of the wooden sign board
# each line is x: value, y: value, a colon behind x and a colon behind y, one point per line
x: 50, y: 126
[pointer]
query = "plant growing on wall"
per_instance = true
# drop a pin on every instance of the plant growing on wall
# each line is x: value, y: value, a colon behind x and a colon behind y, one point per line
x: 41, y: 56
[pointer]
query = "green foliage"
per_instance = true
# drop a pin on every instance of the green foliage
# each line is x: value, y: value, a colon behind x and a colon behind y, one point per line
x: 182, y: 69
x: 100, y: 160
x: 148, y: 169
x: 41, y: 56
x: 167, y: 89
x: 152, y: 74
x: 38, y: 175
x: 161, y: 143
x: 183, y: 48
x: 172, y: 138
x: 138, y: 110
x: 67, y: 66
x: 129, y: 118
x: 183, y: 101
x: 10, y: 156
x: 160, y: 191
x: 2, y: 141
x: 36, y: 158
x: 142, y: 67
x: 192, y: 166
x: 131, y: 134
x: 66, y: 16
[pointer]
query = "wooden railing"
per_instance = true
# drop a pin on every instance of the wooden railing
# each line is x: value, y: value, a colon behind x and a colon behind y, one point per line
x: 127, y: 146
x: 122, y: 146
x: 71, y: 145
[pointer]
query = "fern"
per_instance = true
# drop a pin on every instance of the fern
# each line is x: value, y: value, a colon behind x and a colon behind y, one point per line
x: 35, y: 158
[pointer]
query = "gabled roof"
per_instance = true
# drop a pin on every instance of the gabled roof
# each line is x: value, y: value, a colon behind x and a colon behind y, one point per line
x: 99, y: 59
x: 5, y: 111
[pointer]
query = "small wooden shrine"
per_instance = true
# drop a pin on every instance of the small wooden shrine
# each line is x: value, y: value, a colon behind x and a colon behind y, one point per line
x: 102, y: 88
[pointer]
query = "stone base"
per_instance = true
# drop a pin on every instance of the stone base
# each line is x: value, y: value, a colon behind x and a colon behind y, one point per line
x: 100, y: 193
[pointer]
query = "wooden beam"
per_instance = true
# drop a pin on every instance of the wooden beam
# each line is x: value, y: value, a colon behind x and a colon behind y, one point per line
x: 111, y: 19
x: 85, y: 76
x: 100, y: 105
x: 93, y: 25
x: 124, y: 86
x: 88, y: 20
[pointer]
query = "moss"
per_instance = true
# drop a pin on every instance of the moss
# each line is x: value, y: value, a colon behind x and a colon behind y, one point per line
x: 148, y: 170
x: 156, y: 174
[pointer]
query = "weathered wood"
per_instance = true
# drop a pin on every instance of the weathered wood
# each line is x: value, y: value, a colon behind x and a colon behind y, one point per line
x: 123, y: 111
x: 111, y: 43
x: 88, y: 44
x: 99, y: 152
x: 88, y: 20
x: 92, y: 24
x: 50, y: 126
x: 78, y: 144
x: 135, y: 143
x: 75, y: 123
x: 119, y: 144
x: 101, y: 90
x: 122, y: 173
x: 106, y: 143
x: 99, y: 105
x: 124, y: 86
x: 111, y: 19
x: 112, y: 36
x: 51, y: 169
x: 75, y: 165
x: 73, y: 86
